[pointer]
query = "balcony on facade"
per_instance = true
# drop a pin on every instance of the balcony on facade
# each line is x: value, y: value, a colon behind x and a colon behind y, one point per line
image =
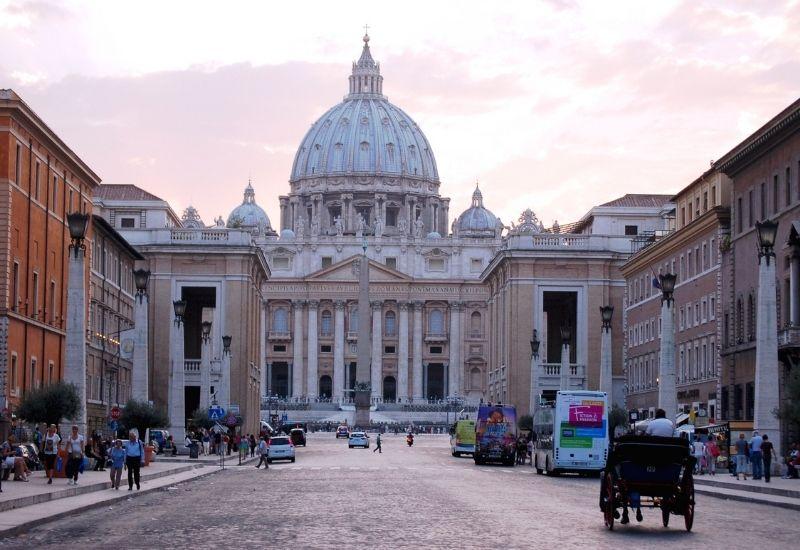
x: 352, y: 335
x: 436, y: 337
x: 570, y: 242
x: 279, y: 336
x: 177, y: 236
x: 548, y: 377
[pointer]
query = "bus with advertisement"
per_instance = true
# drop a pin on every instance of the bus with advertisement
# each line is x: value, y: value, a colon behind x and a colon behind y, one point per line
x: 571, y: 433
x: 496, y: 434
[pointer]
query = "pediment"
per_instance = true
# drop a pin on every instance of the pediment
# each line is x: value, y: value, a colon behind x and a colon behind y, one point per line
x: 346, y: 271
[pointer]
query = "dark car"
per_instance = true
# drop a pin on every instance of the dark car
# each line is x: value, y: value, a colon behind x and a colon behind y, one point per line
x: 342, y: 431
x: 298, y: 437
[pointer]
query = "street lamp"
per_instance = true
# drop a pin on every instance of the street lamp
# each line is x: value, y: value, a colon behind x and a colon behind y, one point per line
x: 667, y: 282
x: 206, y: 330
x: 77, y: 223
x: 667, y: 398
x: 766, y: 232
x: 606, y: 312
x: 180, y: 310
x: 226, y: 344
x: 140, y: 278
x: 535, y: 345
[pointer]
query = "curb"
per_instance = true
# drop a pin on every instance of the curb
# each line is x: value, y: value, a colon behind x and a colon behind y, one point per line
x: 27, y: 525
x: 738, y: 496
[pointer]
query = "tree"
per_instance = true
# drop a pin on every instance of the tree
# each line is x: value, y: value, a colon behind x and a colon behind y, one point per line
x: 200, y: 419
x: 141, y: 415
x: 525, y: 422
x: 789, y: 410
x: 617, y: 416
x: 50, y: 404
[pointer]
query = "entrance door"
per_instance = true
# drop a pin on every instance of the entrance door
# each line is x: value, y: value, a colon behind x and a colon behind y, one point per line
x: 325, y: 387
x: 435, y: 381
x: 351, y: 381
x: 279, y: 385
x: 389, y: 389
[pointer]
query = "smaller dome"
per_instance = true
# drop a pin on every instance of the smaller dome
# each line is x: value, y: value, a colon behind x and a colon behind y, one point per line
x: 249, y: 215
x: 287, y: 235
x: 434, y: 235
x: 477, y: 221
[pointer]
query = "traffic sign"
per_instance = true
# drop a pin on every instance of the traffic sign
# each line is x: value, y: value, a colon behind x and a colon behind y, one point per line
x: 231, y: 420
x: 285, y: 417
x: 112, y: 425
x: 215, y: 413
x: 116, y: 413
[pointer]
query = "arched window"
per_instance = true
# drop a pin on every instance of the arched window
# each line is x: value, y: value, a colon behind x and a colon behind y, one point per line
x: 325, y: 326
x: 280, y: 320
x: 389, y: 389
x: 436, y: 322
x: 354, y: 319
x: 475, y: 381
x: 391, y: 323
x: 475, y: 323
x: 325, y: 386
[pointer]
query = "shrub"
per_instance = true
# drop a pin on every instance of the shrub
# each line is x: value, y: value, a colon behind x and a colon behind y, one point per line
x: 50, y: 404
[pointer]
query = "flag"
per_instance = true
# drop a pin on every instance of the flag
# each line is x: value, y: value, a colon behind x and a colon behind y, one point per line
x: 656, y: 283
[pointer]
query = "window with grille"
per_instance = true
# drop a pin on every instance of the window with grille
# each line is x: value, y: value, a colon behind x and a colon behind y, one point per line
x: 391, y: 323
x: 325, y: 325
x: 436, y: 322
x: 280, y: 320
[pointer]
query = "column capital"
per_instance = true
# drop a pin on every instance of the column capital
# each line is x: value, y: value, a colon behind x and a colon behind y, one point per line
x: 347, y: 196
x: 418, y: 305
x: 376, y: 304
x: 339, y: 305
x: 456, y: 305
x: 313, y: 304
x: 403, y: 305
x: 298, y: 304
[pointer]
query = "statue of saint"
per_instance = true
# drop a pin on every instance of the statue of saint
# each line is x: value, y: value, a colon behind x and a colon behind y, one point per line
x: 378, y: 227
x: 418, y: 228
x: 338, y: 225
x: 299, y: 227
x: 314, y: 227
x: 362, y: 225
x: 401, y: 226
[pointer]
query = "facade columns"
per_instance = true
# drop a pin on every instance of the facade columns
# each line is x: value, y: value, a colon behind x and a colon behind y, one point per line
x: 313, y: 350
x: 565, y: 366
x: 417, y: 351
x: 297, y: 348
x: 767, y: 374
x: 205, y: 372
x: 667, y: 396
x: 140, y: 376
x: 75, y: 343
x: 454, y: 372
x: 376, y: 369
x: 794, y: 288
x: 347, y: 211
x: 262, y: 348
x: 402, y: 354
x: 338, y: 351
x: 284, y: 202
x: 177, y: 397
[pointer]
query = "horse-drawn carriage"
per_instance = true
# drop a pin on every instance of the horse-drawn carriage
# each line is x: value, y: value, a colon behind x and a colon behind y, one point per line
x: 648, y: 471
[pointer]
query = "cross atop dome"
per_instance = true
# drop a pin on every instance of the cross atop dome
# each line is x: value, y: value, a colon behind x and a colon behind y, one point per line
x: 366, y: 77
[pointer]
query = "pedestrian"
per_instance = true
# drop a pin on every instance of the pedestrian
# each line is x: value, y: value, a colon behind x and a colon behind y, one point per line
x: 51, y: 443
x: 74, y: 446
x: 378, y: 445
x: 791, y: 461
x: 134, y: 458
x: 742, y: 450
x: 206, y: 442
x: 253, y: 445
x: 756, y: 455
x: 767, y: 452
x: 699, y: 452
x: 117, y: 457
x: 263, y: 453
x: 712, y: 453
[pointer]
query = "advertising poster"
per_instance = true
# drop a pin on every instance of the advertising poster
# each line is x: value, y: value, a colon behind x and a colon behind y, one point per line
x: 585, y: 424
x: 496, y: 428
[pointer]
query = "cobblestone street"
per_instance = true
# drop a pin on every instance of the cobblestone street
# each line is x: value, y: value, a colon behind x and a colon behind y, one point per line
x: 333, y: 496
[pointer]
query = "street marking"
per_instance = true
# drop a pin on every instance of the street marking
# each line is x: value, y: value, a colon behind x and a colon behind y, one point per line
x: 335, y: 467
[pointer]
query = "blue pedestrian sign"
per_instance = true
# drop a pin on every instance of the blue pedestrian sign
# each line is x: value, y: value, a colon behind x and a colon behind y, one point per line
x: 285, y: 417
x: 112, y: 425
x: 215, y: 412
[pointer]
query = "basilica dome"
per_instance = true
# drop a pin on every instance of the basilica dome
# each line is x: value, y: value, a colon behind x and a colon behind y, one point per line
x: 477, y: 221
x: 248, y: 214
x: 365, y: 135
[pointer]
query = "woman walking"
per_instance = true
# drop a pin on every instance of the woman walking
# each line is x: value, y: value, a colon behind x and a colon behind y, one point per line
x: 75, y: 453
x: 117, y: 456
x: 51, y: 443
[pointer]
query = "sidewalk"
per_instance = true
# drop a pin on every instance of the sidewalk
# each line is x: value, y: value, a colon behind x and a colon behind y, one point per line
x: 784, y: 493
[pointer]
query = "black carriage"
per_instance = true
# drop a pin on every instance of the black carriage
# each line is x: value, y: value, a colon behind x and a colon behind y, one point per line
x: 651, y: 472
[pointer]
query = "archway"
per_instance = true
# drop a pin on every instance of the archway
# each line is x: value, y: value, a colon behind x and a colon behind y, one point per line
x: 279, y: 379
x: 389, y: 389
x: 325, y: 386
x: 435, y: 381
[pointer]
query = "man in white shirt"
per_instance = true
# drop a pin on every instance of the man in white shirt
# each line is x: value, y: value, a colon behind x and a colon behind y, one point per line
x: 661, y: 426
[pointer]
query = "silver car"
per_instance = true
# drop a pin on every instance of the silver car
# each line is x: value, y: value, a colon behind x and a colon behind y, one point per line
x: 280, y: 448
x: 358, y: 439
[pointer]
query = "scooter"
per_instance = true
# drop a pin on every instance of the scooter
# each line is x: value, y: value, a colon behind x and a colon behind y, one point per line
x: 410, y: 440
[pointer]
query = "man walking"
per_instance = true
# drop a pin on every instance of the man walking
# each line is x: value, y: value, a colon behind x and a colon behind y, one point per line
x: 378, y: 445
x: 767, y: 452
x: 755, y: 455
x: 263, y: 454
x: 134, y: 458
x: 741, y: 456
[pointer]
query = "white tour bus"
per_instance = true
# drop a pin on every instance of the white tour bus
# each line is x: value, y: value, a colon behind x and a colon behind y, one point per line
x: 571, y: 434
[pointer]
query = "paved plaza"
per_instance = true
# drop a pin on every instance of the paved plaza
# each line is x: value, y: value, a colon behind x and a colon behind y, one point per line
x: 335, y: 497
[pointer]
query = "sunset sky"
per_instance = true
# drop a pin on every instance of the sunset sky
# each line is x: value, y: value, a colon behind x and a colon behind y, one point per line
x: 556, y: 106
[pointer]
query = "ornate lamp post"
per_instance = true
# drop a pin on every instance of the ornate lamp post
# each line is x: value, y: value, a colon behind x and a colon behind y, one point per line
x: 75, y: 342
x: 767, y: 365
x: 226, y: 344
x: 177, y: 401
x: 205, y: 364
x: 534, y: 394
x: 140, y: 376
x: 667, y: 398
x: 606, y: 376
x: 225, y: 391
x: 566, y: 338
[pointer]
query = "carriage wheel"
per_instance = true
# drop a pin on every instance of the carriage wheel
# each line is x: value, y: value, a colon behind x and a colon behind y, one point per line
x: 608, y: 513
x: 664, y: 514
x: 688, y: 513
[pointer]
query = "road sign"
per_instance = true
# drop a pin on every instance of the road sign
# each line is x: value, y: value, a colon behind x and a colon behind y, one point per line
x: 112, y: 425
x: 233, y: 409
x: 285, y: 417
x: 231, y: 420
x: 215, y: 413
x: 115, y: 413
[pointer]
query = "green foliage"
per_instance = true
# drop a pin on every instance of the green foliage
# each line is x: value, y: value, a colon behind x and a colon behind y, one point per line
x: 50, y: 404
x: 617, y: 416
x: 142, y: 415
x: 200, y: 419
x: 525, y: 422
x: 789, y: 410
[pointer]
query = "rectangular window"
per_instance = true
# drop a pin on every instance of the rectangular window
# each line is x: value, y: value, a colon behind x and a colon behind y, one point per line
x: 127, y: 223
x: 705, y: 201
x: 51, y: 370
x: 36, y: 182
x: 15, y: 287
x: 280, y: 263
x: 35, y: 310
x: 713, y: 195
x: 436, y: 264
x: 69, y: 205
x: 280, y: 348
x: 788, y: 186
x: 712, y: 308
x: 763, y: 201
x: 389, y: 350
x: 18, y: 165
x: 683, y: 216
x: 476, y: 265
x: 52, y: 306
x: 55, y: 192
x: 775, y: 193
x: 436, y: 350
x: 327, y: 261
x: 391, y: 263
x: 631, y: 229
x: 14, y: 374
x: 689, y: 264
x: 739, y: 214
x: 34, y: 381
x: 325, y: 348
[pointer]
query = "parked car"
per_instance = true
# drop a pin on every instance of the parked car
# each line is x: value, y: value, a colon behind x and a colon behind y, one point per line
x: 298, y: 437
x: 280, y: 448
x: 358, y: 439
x: 342, y: 431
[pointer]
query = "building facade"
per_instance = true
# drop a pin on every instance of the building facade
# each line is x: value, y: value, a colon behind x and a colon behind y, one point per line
x: 692, y: 252
x: 41, y: 181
